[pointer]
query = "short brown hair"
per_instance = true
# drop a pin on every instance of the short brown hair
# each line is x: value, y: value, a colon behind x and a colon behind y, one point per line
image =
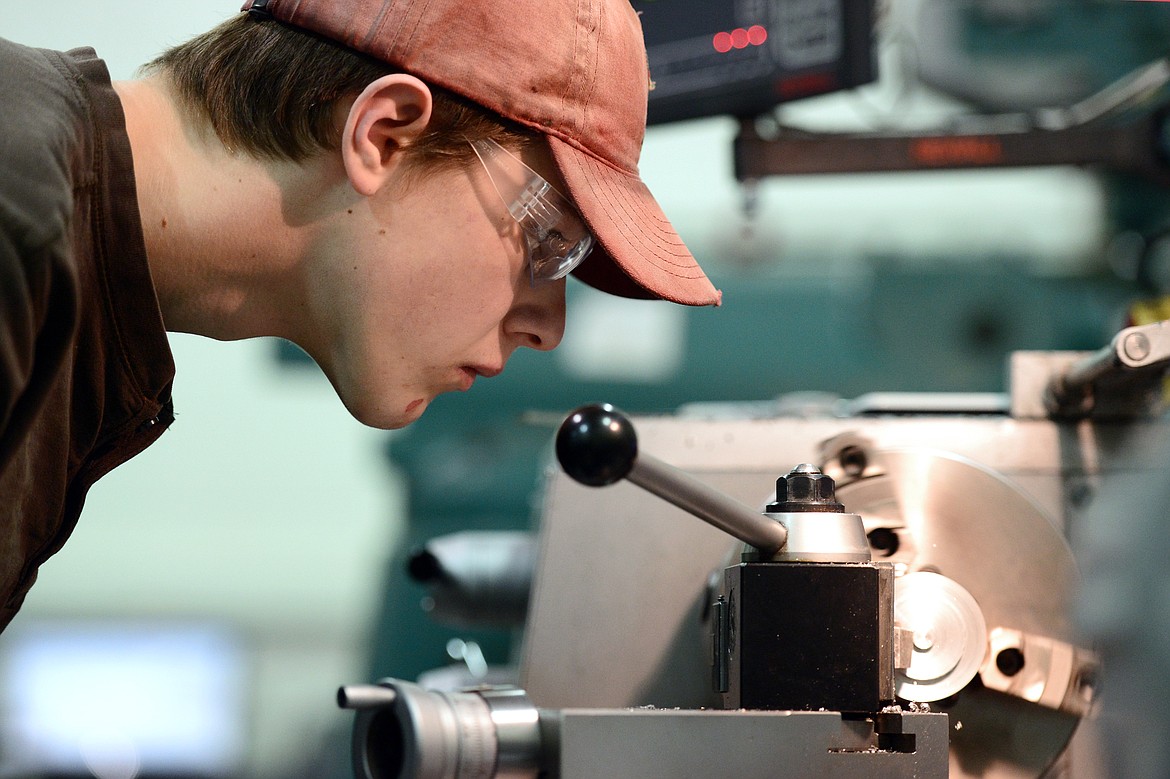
x: 271, y: 90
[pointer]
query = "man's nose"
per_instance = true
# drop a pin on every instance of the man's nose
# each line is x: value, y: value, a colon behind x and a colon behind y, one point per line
x: 537, y: 320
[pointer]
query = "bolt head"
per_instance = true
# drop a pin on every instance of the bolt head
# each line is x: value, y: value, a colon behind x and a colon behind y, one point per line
x: 806, y: 486
x: 1136, y: 346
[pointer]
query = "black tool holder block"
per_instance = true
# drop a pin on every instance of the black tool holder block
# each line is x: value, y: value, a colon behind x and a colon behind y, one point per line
x: 805, y: 636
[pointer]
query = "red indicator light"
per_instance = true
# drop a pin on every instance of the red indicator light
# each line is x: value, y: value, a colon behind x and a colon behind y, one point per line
x: 739, y: 38
x: 961, y: 150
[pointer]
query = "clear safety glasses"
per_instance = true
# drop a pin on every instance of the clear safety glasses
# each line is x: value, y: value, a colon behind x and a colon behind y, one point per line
x: 556, y: 237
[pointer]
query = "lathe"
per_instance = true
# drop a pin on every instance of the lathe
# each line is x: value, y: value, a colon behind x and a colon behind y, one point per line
x: 901, y: 606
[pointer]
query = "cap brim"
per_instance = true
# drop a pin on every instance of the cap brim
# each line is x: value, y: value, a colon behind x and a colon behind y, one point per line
x: 638, y: 252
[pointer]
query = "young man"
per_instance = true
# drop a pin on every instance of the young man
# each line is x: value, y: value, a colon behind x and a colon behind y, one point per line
x: 398, y: 187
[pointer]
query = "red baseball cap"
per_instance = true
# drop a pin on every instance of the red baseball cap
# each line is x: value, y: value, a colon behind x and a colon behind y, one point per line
x: 574, y: 71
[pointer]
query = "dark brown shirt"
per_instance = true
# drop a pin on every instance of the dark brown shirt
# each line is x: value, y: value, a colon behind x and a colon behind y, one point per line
x: 85, y: 366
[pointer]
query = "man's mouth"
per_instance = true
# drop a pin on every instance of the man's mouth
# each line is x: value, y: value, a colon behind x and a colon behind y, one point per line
x: 469, y: 373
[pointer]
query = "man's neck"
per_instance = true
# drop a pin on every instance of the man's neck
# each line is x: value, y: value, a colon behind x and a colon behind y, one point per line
x: 222, y: 246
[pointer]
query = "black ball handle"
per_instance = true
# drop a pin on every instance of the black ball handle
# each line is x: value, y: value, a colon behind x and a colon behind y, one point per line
x: 596, y: 445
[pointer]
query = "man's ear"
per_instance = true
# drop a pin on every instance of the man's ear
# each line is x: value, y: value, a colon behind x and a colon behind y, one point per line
x: 384, y: 119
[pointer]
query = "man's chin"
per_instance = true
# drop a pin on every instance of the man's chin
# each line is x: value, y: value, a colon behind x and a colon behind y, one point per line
x: 414, y: 410
x: 389, y: 418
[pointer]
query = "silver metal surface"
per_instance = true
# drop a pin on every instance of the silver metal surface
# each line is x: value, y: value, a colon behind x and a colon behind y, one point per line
x: 424, y: 734
x: 517, y: 725
x: 671, y: 744
x: 1055, y: 674
x: 1143, y: 345
x: 816, y: 536
x: 647, y: 564
x: 365, y: 696
x: 948, y: 636
x: 966, y: 522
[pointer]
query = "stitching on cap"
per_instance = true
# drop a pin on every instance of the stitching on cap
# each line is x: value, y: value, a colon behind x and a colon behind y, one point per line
x: 661, y: 225
x: 573, y: 72
x: 581, y: 120
x: 391, y: 48
x: 672, y: 262
x: 376, y: 27
x: 559, y: 135
x: 414, y: 29
x: 590, y: 90
x: 658, y: 221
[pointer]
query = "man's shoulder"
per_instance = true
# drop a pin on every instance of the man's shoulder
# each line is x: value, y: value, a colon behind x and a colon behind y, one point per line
x: 44, y: 78
x: 43, y: 121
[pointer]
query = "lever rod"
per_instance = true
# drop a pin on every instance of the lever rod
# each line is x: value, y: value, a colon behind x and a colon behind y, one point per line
x: 597, y: 446
x: 1137, y: 350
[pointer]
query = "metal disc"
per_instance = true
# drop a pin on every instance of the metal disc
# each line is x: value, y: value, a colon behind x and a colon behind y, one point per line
x: 949, y: 636
x: 953, y: 516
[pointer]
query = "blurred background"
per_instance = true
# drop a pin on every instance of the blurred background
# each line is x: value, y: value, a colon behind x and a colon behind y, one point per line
x: 221, y: 586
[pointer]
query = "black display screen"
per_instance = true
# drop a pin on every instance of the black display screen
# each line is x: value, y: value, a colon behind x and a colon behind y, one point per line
x: 743, y: 57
